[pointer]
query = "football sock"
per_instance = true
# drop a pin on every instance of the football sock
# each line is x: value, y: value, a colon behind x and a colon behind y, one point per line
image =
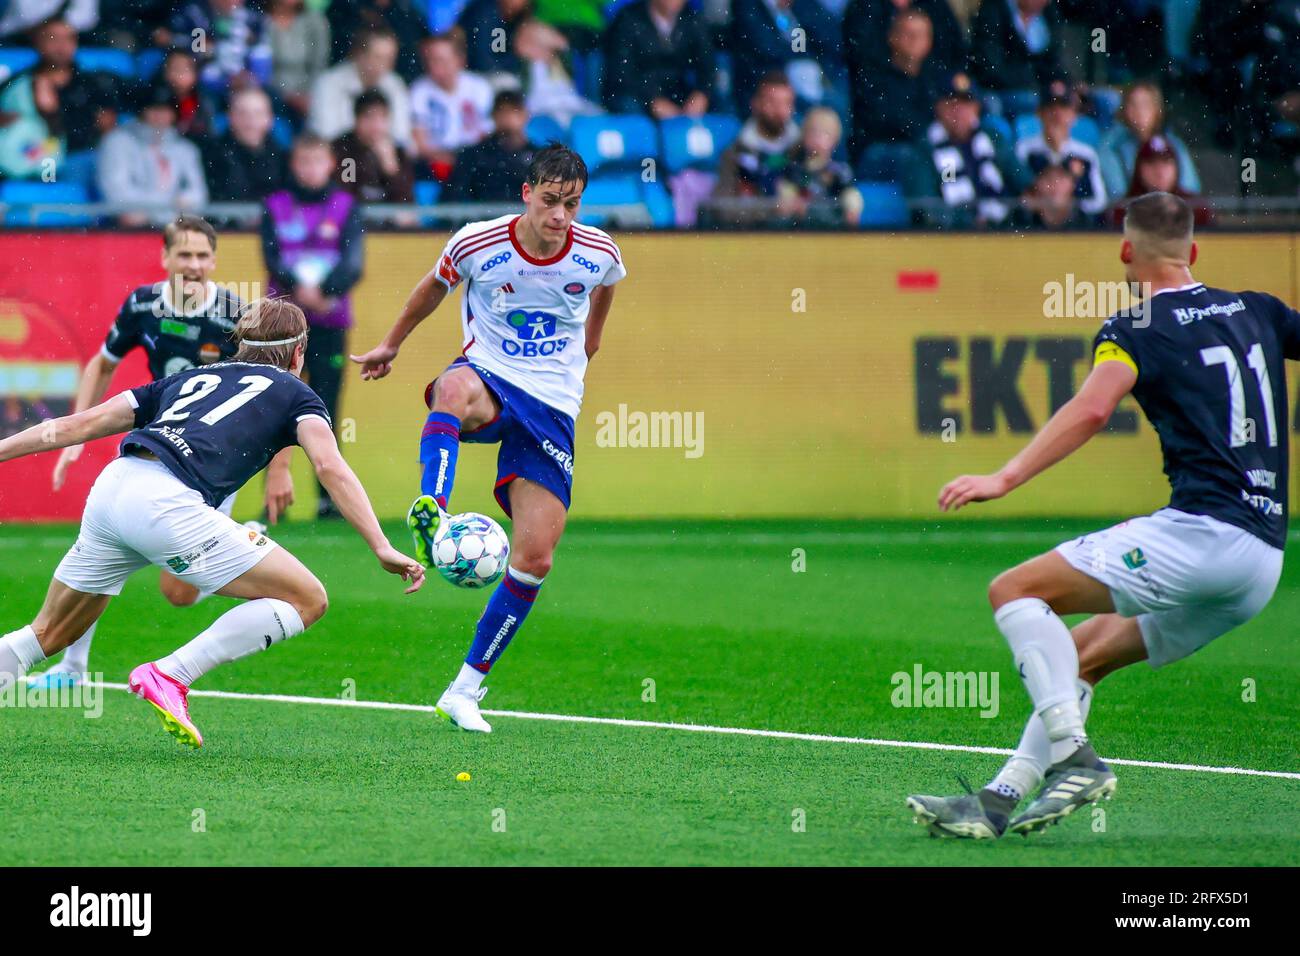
x: 439, y: 447
x: 20, y: 651
x: 241, y: 631
x: 468, y: 681
x: 502, y: 618
x: 76, y: 659
x: 1045, y: 655
x: 1025, y: 769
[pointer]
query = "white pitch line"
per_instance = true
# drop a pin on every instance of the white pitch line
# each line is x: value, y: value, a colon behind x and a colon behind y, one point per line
x: 709, y: 729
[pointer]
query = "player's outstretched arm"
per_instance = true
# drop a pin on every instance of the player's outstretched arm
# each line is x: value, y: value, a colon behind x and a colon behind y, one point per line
x: 111, y: 418
x: 427, y: 296
x: 90, y: 392
x: 602, y: 298
x: 317, y: 440
x: 1067, y: 431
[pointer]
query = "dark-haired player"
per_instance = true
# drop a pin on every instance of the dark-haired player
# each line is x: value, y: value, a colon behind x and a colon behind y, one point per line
x: 195, y: 438
x: 1207, y: 368
x: 183, y: 322
x: 538, y: 289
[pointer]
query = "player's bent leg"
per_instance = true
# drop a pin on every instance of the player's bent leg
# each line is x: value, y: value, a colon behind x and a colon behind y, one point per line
x: 177, y: 592
x: 539, y: 518
x: 65, y: 616
x: 1053, y: 580
x: 1106, y: 643
x: 282, y: 597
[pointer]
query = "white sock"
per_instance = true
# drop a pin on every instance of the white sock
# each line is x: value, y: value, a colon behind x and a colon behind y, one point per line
x: 76, y: 659
x: 20, y: 651
x: 1048, y: 662
x: 241, y: 631
x: 1025, y: 769
x: 468, y: 681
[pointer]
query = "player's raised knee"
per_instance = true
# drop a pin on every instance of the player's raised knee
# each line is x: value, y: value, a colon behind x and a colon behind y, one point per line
x: 537, y: 564
x: 453, y: 393
x: 1006, y: 587
x: 311, y: 602
x: 178, y: 593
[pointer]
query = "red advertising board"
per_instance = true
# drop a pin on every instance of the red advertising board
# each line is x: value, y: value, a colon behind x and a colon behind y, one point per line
x: 58, y: 296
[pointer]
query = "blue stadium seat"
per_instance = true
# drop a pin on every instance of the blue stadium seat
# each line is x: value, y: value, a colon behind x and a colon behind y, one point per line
x: 148, y: 63
x: 15, y: 60
x: 427, y: 192
x: 998, y: 126
x: 542, y: 129
x: 1085, y: 129
x: 19, y: 193
x: 883, y: 206
x: 614, y: 142
x: 697, y: 143
x: 626, y: 188
x: 107, y: 60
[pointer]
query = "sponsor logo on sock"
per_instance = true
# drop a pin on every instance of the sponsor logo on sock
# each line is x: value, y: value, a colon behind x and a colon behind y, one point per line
x: 444, y: 459
x: 952, y: 689
x: 506, y: 625
x: 74, y: 909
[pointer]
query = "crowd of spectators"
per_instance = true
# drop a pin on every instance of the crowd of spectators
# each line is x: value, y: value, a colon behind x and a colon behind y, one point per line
x: 968, y: 108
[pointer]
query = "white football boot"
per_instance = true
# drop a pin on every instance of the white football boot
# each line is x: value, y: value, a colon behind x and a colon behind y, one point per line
x: 461, y: 708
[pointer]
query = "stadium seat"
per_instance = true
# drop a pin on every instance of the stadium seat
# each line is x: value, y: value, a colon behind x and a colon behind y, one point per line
x: 427, y: 192
x: 883, y: 206
x: 15, y: 60
x: 1085, y: 129
x: 148, y: 63
x: 626, y: 188
x: 107, y: 60
x: 18, y: 195
x: 697, y: 143
x: 998, y: 126
x: 542, y: 129
x: 614, y: 142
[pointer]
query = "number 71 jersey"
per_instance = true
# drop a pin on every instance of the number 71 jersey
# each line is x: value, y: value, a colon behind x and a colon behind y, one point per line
x: 1212, y: 382
x: 524, y: 319
x: 216, y: 426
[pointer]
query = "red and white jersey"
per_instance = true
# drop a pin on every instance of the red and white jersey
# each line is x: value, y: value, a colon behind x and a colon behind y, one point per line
x: 525, y: 319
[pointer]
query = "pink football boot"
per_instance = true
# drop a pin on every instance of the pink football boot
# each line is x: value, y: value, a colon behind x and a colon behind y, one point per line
x: 170, y: 698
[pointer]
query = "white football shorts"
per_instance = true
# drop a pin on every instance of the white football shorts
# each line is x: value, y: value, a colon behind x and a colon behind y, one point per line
x: 139, y: 513
x: 1186, y: 578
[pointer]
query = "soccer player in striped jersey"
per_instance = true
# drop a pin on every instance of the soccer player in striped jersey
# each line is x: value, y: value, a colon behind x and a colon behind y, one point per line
x: 1207, y: 368
x: 537, y: 291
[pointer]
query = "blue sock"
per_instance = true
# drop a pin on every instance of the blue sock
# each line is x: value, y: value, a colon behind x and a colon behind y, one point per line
x: 439, y: 448
x: 502, y: 618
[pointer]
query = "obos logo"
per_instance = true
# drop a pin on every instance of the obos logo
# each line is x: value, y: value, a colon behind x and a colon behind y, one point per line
x: 499, y: 259
x: 537, y: 330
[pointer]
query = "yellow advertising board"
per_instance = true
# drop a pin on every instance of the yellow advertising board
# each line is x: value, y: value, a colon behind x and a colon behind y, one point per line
x: 820, y: 375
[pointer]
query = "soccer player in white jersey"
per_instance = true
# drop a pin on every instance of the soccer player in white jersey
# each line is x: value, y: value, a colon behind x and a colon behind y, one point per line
x: 537, y: 291
x: 1206, y: 366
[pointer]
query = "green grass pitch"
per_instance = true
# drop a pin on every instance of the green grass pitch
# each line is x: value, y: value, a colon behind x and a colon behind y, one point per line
x: 730, y: 635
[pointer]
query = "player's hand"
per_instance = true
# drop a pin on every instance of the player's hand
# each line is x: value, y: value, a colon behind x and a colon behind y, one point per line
x: 394, y: 562
x: 279, y: 493
x: 376, y: 363
x: 66, y: 458
x: 962, y: 491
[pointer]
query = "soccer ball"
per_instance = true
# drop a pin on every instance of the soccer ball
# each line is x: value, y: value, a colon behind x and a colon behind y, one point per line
x: 470, y: 550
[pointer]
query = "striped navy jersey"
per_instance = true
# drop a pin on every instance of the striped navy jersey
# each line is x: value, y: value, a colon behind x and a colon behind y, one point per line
x: 1212, y: 382
x: 216, y: 427
x: 174, y: 340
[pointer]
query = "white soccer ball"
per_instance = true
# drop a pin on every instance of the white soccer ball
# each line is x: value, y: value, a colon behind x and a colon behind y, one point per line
x: 471, y: 550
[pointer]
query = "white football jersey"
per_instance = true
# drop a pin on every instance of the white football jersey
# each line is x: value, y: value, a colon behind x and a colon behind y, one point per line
x: 525, y: 319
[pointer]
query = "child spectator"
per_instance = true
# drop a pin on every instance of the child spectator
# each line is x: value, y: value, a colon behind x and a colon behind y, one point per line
x: 1141, y: 119
x: 813, y: 186
x: 1057, y: 111
x: 1156, y: 170
x: 374, y: 166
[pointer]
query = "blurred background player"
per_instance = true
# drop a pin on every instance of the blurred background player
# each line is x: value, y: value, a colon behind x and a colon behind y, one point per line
x: 182, y: 322
x: 195, y: 439
x: 314, y: 247
x: 538, y: 287
x: 1207, y: 368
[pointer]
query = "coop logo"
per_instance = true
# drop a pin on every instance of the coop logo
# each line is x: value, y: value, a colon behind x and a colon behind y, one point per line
x: 75, y: 909
x: 585, y: 263
x: 501, y: 258
x: 537, y: 330
x: 559, y: 454
x: 922, y: 688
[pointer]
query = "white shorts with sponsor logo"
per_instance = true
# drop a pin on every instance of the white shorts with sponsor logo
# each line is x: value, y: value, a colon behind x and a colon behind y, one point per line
x: 1186, y: 578
x: 139, y: 513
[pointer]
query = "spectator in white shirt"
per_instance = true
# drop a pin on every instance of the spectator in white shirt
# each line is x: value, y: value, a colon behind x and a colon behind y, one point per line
x: 369, y: 66
x: 450, y: 107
